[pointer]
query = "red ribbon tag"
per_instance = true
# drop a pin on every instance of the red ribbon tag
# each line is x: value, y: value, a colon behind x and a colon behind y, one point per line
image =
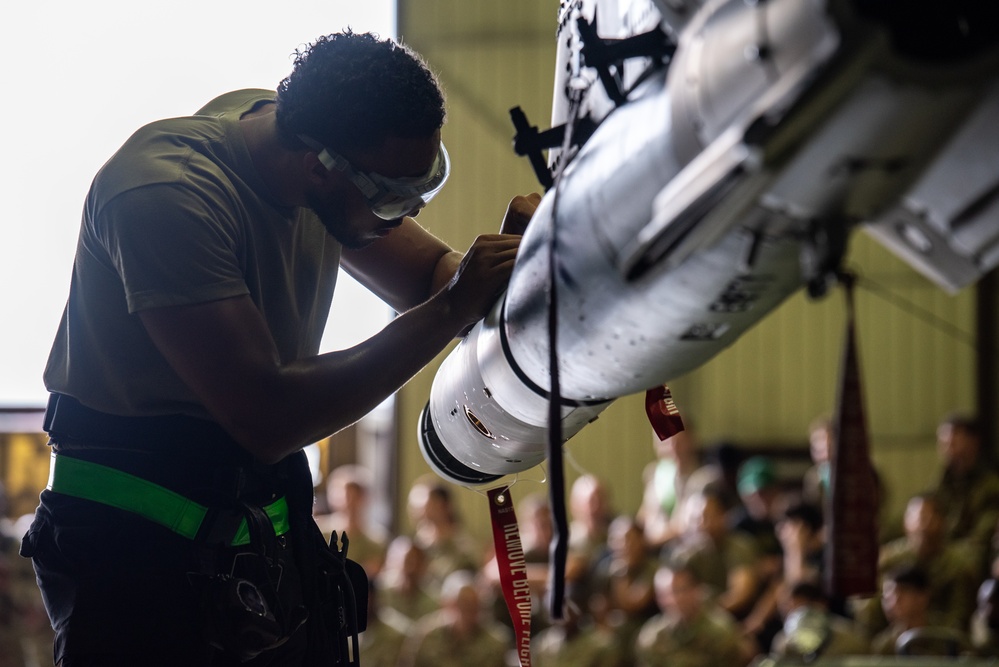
x: 662, y: 412
x: 512, y: 569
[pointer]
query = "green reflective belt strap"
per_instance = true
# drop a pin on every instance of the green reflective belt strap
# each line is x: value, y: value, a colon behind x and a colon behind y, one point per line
x: 108, y: 486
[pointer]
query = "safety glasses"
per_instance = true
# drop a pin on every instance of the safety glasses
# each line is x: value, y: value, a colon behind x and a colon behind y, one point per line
x: 388, y: 198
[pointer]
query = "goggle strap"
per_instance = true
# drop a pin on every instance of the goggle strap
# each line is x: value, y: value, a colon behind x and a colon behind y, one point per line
x: 361, y: 180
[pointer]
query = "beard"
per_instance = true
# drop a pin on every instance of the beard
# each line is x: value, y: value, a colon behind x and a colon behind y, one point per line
x: 334, y: 219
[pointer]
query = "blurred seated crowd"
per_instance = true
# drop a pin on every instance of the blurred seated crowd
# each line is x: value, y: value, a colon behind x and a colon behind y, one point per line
x: 722, y: 565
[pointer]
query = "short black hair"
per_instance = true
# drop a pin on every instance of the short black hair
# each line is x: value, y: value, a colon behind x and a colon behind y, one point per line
x: 810, y: 591
x: 351, y: 91
x: 807, y: 513
x: 910, y: 576
x: 963, y: 422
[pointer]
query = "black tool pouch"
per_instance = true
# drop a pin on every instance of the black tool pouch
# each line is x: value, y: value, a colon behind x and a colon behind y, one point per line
x: 241, y: 610
x: 335, y: 588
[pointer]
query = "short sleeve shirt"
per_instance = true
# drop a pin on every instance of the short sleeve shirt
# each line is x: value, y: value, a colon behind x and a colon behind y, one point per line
x: 180, y: 216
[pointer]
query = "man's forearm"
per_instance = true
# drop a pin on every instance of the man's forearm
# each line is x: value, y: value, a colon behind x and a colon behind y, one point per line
x: 322, y: 395
x: 445, y: 269
x: 224, y: 351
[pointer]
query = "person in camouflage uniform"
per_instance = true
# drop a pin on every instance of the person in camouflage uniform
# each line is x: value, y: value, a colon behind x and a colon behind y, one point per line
x: 381, y: 642
x: 691, y: 631
x: 968, y: 491
x: 457, y: 635
x: 985, y: 621
x: 575, y: 642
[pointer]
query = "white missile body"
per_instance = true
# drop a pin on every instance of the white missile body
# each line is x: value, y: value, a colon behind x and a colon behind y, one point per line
x: 724, y: 184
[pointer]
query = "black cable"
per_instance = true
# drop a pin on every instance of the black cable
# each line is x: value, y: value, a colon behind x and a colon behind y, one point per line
x: 920, y: 313
x: 560, y: 543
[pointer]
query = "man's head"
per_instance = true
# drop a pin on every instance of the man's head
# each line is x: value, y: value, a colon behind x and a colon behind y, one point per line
x: 706, y: 513
x: 405, y: 560
x: 679, y: 591
x: 430, y: 503
x: 924, y: 523
x: 682, y: 447
x: 958, y: 442
x: 536, y: 516
x: 626, y: 541
x: 351, y: 92
x: 758, y: 486
x: 347, y: 488
x: 803, y: 594
x: 800, y: 528
x: 588, y: 503
x: 461, y: 601
x: 369, y: 113
x: 905, y: 596
x: 820, y: 437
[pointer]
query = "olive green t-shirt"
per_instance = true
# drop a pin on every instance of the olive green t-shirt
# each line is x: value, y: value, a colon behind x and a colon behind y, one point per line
x: 178, y: 216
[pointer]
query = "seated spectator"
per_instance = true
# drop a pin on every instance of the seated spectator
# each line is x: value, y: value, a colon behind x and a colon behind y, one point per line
x: 985, y: 620
x: 458, y: 634
x: 968, y: 491
x: 574, y: 642
x: 537, y: 531
x: 630, y: 592
x: 402, y: 584
x: 811, y: 630
x: 381, y: 643
x: 438, y: 531
x: 799, y: 532
x: 815, y: 482
x: 690, y: 631
x: 906, y: 601
x: 590, y: 517
x: 761, y: 496
x: 724, y: 561
x: 802, y: 542
x: 722, y: 462
x: 673, y: 477
x: 762, y: 500
x: 950, y: 572
x: 348, y: 495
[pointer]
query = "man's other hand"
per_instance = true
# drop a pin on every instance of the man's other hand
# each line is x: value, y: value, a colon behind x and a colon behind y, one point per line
x: 482, y: 276
x: 519, y: 213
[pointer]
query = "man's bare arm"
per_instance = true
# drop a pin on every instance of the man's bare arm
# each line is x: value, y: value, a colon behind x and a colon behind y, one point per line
x: 410, y: 264
x: 401, y: 268
x: 224, y: 352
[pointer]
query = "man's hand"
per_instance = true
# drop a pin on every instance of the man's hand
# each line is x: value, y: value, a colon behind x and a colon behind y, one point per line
x: 519, y: 213
x: 483, y: 271
x: 481, y: 277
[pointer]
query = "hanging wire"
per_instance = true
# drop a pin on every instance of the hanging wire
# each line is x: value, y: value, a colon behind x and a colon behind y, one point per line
x: 576, y: 465
x: 559, y: 548
x: 922, y: 314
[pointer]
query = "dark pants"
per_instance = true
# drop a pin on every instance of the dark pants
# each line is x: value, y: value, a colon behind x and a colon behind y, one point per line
x: 120, y: 589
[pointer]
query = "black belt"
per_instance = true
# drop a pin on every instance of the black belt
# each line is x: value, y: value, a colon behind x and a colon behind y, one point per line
x: 190, y: 456
x: 67, y: 418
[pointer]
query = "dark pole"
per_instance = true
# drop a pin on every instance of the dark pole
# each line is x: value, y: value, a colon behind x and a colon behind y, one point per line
x: 987, y: 380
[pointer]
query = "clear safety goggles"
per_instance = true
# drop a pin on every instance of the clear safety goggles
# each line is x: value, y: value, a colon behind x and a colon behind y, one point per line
x: 388, y: 198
